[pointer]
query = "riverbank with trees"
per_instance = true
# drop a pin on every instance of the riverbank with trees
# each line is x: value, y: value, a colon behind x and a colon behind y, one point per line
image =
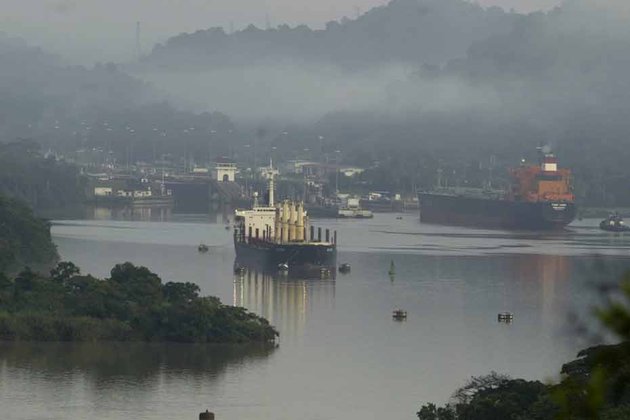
x: 131, y: 305
x: 24, y: 239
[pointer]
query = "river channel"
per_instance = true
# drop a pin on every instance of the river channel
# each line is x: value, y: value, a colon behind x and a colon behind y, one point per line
x: 340, y: 354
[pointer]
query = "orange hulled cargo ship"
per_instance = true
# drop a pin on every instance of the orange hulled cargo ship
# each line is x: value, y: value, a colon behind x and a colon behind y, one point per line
x: 540, y: 197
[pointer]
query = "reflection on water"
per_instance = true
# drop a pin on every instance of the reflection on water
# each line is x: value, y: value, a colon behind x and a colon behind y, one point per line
x: 547, y: 271
x: 154, y: 213
x: 284, y: 301
x: 131, y: 213
x: 140, y: 363
x: 117, y: 381
x: 547, y: 268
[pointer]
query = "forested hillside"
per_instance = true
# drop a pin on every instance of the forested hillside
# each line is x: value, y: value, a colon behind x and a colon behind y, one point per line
x: 412, y: 31
x: 24, y: 239
x: 45, y: 183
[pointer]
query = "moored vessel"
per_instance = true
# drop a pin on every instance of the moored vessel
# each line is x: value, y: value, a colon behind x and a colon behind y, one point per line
x: 353, y: 210
x: 540, y: 198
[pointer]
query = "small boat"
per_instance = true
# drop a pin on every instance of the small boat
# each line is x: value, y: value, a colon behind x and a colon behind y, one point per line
x: 239, y: 270
x: 283, y: 268
x: 344, y: 268
x: 227, y: 227
x: 399, y: 315
x: 392, y: 269
x: 506, y: 317
x: 614, y: 223
x: 203, y: 248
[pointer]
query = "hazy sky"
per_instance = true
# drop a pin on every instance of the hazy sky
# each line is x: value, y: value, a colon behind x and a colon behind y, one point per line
x: 90, y: 30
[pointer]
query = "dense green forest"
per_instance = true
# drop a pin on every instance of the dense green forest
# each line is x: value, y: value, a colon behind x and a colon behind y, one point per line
x: 594, y: 386
x: 131, y: 305
x: 45, y: 183
x: 24, y: 239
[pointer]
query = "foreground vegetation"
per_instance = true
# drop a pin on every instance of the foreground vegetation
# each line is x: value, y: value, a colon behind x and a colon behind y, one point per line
x: 595, y: 386
x: 24, y: 239
x: 131, y: 305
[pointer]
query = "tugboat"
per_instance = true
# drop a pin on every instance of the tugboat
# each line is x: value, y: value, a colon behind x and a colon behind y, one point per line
x: 274, y: 235
x: 540, y: 198
x: 614, y: 223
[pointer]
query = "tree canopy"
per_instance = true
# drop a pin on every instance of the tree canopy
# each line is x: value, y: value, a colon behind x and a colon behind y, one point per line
x: 24, y: 239
x: 132, y: 304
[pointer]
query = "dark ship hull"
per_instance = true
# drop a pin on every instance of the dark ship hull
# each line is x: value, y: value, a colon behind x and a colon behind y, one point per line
x: 303, y: 256
x: 613, y: 227
x: 322, y: 212
x: 494, y: 213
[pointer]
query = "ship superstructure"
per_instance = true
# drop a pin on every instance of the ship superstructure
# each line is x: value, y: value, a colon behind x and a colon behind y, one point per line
x: 280, y: 233
x: 540, y: 197
x: 541, y: 183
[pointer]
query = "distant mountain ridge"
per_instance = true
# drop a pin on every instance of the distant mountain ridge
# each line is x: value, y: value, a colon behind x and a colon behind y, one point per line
x: 407, y: 31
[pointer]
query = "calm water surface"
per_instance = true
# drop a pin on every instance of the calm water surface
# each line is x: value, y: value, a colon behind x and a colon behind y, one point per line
x: 340, y: 354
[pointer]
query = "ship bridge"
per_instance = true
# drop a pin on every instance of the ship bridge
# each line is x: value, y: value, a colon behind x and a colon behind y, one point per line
x: 286, y: 222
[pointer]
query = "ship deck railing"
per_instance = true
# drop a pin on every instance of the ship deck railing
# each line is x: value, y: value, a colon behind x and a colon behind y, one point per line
x: 259, y: 241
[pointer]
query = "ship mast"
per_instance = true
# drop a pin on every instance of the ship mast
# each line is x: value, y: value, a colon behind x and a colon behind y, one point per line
x: 271, y: 184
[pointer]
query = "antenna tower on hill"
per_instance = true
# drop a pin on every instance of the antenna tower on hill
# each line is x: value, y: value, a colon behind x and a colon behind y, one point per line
x: 138, y: 50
